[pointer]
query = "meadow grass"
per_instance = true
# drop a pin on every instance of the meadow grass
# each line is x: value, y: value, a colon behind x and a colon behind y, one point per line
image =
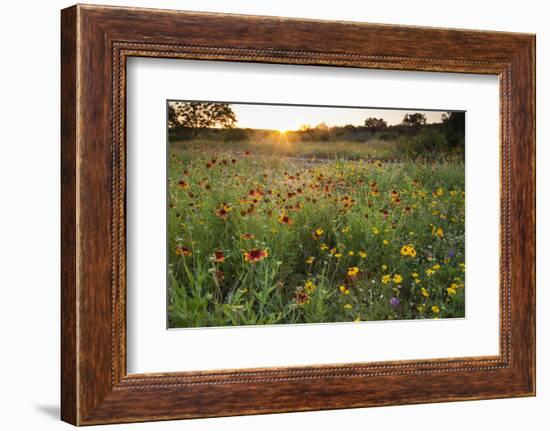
x: 279, y: 145
x: 312, y: 232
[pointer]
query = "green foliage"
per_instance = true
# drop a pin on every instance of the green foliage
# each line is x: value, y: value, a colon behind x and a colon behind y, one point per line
x: 454, y: 126
x: 235, y: 135
x: 194, y: 117
x: 228, y: 199
x: 414, y: 120
x: 428, y: 144
x: 375, y: 124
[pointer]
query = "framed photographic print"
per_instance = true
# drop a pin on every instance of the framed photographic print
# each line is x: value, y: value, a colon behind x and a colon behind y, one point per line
x: 265, y: 215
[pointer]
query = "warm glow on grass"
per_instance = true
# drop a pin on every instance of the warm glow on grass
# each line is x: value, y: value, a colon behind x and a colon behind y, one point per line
x: 282, y: 139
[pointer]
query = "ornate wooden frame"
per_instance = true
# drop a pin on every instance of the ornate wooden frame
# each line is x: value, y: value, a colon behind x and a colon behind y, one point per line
x: 95, y: 42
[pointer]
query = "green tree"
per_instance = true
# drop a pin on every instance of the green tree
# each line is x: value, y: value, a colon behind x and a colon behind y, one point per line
x: 375, y: 124
x: 194, y: 117
x: 415, y: 120
x: 454, y: 128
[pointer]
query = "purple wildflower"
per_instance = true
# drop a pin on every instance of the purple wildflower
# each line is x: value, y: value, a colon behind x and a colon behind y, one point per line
x: 394, y: 302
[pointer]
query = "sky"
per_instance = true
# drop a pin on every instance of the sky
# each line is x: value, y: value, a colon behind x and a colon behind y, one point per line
x: 285, y: 117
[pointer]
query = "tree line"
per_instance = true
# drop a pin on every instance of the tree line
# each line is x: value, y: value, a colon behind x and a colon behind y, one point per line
x: 187, y: 120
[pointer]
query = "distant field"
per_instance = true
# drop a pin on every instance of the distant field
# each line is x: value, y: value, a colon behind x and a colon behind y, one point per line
x: 375, y: 149
x: 277, y: 232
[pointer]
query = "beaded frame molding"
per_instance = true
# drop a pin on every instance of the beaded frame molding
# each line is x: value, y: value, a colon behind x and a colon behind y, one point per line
x: 95, y: 43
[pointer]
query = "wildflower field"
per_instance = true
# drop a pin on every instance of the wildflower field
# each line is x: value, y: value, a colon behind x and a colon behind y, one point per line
x: 323, y: 232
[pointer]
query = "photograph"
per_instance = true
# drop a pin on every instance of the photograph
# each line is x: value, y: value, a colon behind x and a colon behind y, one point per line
x: 312, y: 215
x: 302, y: 214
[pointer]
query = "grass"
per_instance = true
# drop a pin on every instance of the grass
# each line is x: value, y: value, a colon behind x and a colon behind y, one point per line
x: 279, y: 145
x: 260, y: 233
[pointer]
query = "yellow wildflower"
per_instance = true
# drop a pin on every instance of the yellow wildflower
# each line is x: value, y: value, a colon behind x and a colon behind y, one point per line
x: 318, y: 233
x: 451, y: 291
x: 353, y: 271
x: 408, y: 250
x: 309, y: 286
x: 344, y: 289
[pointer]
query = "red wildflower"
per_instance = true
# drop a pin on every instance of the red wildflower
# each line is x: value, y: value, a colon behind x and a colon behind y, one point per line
x: 301, y: 298
x: 183, y: 251
x: 219, y: 256
x: 255, y: 255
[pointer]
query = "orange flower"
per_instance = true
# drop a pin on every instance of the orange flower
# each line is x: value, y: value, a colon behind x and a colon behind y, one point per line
x: 247, y: 236
x: 284, y: 219
x: 219, y: 256
x: 182, y: 184
x: 301, y: 298
x: 258, y: 193
x: 255, y: 255
x: 223, y: 211
x: 183, y: 251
